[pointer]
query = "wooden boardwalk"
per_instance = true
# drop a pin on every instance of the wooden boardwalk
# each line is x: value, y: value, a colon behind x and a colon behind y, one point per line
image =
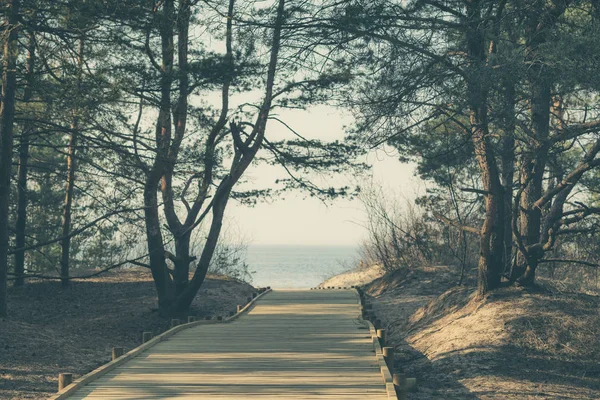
x: 301, y: 344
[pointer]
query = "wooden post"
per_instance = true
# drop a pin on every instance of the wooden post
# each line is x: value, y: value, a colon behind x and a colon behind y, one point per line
x: 64, y: 380
x: 400, y: 385
x: 388, y: 354
x: 116, y: 352
x: 175, y: 322
x: 146, y: 336
x: 239, y: 308
x: 191, y: 318
x: 410, y: 384
x: 382, y: 335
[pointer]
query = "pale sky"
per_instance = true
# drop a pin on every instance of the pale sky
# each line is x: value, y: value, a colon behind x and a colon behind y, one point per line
x: 300, y: 221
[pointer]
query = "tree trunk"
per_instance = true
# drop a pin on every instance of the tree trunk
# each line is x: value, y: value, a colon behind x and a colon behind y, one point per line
x: 156, y: 250
x: 535, y: 154
x: 244, y: 155
x: 532, y: 178
x: 182, y: 261
x: 508, y: 170
x: 184, y: 300
x: 154, y: 239
x: 491, y: 246
x: 7, y: 114
x: 20, y: 226
x: 65, y: 243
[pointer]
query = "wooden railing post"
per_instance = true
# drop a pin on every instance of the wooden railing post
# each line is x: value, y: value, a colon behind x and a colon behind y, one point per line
x: 116, y: 352
x: 382, y: 335
x: 64, y: 380
x: 388, y: 354
x: 399, y: 384
x: 146, y: 336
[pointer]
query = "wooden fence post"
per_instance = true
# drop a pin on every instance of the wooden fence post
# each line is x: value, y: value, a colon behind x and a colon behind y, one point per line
x: 411, y: 384
x: 239, y: 308
x: 64, y: 380
x: 382, y: 335
x: 116, y: 352
x: 146, y: 336
x: 399, y: 384
x: 388, y: 354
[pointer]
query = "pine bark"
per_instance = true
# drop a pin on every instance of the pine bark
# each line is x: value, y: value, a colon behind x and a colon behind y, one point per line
x: 7, y: 114
x: 535, y: 153
x: 154, y: 238
x: 21, y: 222
x: 65, y: 243
x: 491, y: 246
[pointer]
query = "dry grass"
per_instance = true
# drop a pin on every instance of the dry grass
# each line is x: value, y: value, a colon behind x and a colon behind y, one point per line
x: 515, y: 344
x: 51, y: 330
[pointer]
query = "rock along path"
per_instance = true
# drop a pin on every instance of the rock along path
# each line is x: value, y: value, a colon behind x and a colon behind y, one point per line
x: 293, y: 344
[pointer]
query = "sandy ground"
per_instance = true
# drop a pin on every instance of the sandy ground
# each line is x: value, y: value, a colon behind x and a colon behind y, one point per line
x: 515, y: 344
x: 51, y: 330
x: 354, y: 277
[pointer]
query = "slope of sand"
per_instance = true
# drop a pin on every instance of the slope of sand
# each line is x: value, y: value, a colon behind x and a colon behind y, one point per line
x: 515, y: 344
x: 355, y: 277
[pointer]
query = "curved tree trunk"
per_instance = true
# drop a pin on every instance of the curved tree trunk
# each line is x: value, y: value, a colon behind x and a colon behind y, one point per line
x: 244, y: 155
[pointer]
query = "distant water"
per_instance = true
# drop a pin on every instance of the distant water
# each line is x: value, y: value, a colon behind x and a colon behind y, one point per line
x: 298, y: 266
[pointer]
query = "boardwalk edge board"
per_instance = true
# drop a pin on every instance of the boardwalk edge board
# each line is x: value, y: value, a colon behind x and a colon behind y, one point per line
x: 386, y: 374
x: 98, y: 372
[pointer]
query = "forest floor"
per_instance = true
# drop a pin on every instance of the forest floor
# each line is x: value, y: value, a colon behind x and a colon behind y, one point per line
x: 51, y: 330
x: 540, y: 343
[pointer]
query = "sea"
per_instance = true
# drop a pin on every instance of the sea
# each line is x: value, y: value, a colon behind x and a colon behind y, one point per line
x: 292, y: 266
